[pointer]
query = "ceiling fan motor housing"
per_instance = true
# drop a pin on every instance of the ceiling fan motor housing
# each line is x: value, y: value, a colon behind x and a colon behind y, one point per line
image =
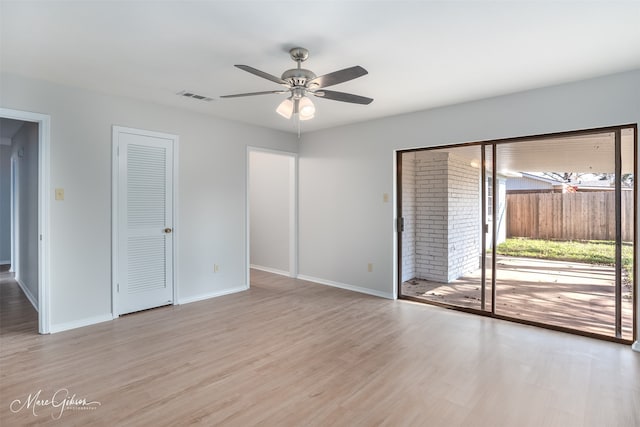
x: 298, y: 76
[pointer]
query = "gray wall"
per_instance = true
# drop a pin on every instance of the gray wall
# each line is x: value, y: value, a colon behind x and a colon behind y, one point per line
x: 24, y: 146
x: 270, y: 197
x: 5, y: 203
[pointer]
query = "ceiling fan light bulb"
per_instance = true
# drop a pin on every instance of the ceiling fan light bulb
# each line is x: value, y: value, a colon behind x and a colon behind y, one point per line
x: 307, y: 109
x: 285, y: 109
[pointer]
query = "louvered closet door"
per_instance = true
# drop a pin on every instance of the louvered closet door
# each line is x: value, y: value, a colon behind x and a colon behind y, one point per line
x: 145, y: 204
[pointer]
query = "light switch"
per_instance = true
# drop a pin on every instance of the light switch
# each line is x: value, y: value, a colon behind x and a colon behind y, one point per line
x: 59, y: 193
x: 385, y: 198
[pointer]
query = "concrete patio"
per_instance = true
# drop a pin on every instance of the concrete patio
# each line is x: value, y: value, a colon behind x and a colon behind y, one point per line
x: 569, y: 294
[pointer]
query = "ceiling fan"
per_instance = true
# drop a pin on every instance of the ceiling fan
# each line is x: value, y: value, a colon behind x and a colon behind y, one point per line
x: 300, y: 83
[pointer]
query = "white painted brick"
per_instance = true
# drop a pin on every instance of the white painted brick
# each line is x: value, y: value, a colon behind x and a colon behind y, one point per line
x: 445, y: 215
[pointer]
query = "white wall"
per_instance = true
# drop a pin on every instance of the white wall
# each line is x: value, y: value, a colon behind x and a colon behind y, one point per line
x: 24, y: 149
x: 270, y: 197
x: 5, y: 203
x: 211, y: 193
x: 526, y: 183
x: 344, y: 171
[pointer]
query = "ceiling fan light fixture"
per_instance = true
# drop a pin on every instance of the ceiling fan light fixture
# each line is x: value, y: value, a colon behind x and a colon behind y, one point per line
x: 300, y: 83
x: 306, y: 108
x: 285, y: 109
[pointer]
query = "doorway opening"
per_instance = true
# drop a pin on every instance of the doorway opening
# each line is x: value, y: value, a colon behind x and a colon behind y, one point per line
x: 24, y: 217
x: 540, y: 230
x: 271, y: 213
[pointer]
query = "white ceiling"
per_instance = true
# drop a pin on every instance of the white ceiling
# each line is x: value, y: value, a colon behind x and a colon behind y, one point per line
x: 419, y: 54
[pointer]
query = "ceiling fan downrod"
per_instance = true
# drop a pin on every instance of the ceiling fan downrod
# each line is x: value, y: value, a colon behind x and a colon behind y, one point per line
x: 298, y: 77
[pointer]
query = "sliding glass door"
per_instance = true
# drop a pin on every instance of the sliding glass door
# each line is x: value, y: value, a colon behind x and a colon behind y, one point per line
x: 442, y: 241
x: 538, y: 230
x: 558, y: 265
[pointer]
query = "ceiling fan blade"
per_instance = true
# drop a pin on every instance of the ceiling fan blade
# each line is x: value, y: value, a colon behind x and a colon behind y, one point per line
x: 262, y: 74
x: 338, y: 77
x: 254, y: 93
x: 342, y: 96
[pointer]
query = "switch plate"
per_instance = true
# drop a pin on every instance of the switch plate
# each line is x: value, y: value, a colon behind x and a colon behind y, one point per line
x: 59, y: 193
x: 385, y: 197
x: 216, y: 268
x: 370, y: 267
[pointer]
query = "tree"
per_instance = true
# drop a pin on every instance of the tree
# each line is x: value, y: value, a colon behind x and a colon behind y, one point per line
x: 627, y: 179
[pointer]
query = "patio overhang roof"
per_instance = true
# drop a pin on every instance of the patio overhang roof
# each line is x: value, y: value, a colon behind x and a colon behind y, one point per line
x: 588, y: 153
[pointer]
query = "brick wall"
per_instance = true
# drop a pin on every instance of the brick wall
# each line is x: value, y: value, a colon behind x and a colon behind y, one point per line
x: 464, y: 217
x: 432, y: 252
x: 446, y: 229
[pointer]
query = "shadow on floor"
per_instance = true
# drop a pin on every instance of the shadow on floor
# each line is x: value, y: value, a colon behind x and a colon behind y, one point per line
x: 569, y: 294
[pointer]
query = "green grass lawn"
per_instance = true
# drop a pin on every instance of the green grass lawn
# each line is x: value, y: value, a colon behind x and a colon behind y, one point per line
x: 590, y: 252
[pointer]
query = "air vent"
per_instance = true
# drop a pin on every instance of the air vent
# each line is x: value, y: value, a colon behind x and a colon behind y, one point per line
x: 188, y: 94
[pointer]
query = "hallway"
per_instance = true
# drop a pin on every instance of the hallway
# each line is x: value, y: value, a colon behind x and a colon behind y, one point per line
x: 18, y: 318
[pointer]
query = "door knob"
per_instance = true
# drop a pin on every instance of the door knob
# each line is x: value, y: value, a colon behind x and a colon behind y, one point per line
x: 168, y: 230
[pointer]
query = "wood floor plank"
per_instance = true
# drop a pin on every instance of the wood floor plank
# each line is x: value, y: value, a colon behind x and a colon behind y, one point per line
x: 289, y: 352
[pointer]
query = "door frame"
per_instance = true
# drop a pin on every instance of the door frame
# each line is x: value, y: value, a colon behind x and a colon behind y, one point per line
x: 293, y: 211
x: 44, y: 178
x: 14, y: 258
x: 115, y: 172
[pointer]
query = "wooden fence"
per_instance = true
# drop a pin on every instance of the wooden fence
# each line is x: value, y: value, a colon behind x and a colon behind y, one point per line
x: 568, y: 216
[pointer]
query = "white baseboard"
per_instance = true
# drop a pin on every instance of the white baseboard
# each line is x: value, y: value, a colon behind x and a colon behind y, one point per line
x: 636, y: 346
x: 80, y: 323
x: 271, y: 270
x: 347, y: 287
x: 32, y: 299
x: 188, y: 300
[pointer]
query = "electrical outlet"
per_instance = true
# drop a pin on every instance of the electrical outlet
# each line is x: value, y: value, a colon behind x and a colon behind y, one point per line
x: 385, y: 198
x: 216, y: 268
x: 370, y: 267
x: 59, y: 193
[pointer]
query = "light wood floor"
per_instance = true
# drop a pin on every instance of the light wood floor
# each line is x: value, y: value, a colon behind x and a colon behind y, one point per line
x: 292, y: 353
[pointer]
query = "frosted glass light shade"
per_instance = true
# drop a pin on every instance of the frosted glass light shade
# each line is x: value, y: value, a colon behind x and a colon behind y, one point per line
x: 306, y: 108
x: 285, y: 109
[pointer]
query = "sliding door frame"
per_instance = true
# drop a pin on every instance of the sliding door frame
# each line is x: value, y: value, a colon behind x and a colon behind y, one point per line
x: 616, y: 130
